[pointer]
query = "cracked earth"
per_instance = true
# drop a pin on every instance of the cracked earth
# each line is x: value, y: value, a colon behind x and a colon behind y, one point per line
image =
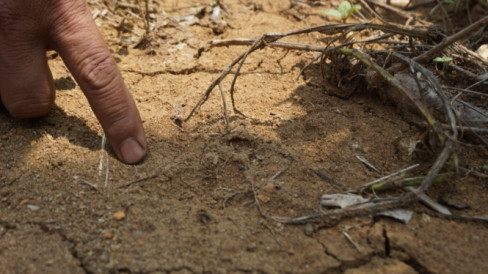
x: 193, y: 210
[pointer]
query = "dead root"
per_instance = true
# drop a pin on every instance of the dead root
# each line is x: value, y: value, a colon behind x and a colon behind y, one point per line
x: 398, y: 57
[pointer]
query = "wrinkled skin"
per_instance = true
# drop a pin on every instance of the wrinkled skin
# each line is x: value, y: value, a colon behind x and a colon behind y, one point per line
x: 30, y: 27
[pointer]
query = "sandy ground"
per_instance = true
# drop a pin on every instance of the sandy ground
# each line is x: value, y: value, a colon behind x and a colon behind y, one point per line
x: 194, y: 209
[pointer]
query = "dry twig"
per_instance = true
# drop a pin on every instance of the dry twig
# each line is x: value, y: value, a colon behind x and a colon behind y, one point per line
x: 138, y: 180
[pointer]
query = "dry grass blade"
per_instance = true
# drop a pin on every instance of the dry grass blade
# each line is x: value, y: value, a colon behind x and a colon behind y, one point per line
x: 370, y: 184
x: 331, y: 217
x: 407, y: 182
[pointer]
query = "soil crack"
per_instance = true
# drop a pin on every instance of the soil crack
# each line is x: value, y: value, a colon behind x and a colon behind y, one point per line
x: 185, y: 71
x: 387, y: 243
x: 326, y: 251
x: 357, y: 262
x: 71, y: 244
x: 412, y: 261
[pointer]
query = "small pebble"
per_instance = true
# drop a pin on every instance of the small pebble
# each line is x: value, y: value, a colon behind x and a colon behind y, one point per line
x: 425, y: 219
x: 308, y: 230
x: 138, y: 232
x: 251, y: 247
x: 24, y: 202
x: 119, y: 215
x: 108, y: 235
x: 483, y: 51
x: 355, y: 146
x: 33, y: 207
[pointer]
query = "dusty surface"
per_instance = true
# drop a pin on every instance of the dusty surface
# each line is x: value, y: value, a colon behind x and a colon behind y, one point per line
x: 198, y: 214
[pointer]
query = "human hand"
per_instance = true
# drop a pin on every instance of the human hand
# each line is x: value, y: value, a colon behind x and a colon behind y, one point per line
x: 30, y: 27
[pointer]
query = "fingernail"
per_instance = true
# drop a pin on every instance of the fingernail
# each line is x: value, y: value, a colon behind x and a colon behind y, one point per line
x: 132, y: 152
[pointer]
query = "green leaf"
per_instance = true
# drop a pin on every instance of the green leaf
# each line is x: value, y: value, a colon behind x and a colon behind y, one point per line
x: 344, y: 8
x: 443, y: 59
x: 353, y: 9
x: 334, y: 13
x: 485, y: 167
x: 450, y: 1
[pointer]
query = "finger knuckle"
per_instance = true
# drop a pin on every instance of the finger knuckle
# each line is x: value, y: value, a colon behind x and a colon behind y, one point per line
x: 29, y: 108
x: 98, y: 71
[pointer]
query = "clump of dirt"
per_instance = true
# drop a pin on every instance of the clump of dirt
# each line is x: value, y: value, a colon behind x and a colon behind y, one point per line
x: 196, y: 204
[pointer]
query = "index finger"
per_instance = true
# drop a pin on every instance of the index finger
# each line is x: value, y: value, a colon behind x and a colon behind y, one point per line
x: 83, y: 50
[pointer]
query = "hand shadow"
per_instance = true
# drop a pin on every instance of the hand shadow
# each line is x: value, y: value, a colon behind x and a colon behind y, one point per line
x: 56, y: 123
